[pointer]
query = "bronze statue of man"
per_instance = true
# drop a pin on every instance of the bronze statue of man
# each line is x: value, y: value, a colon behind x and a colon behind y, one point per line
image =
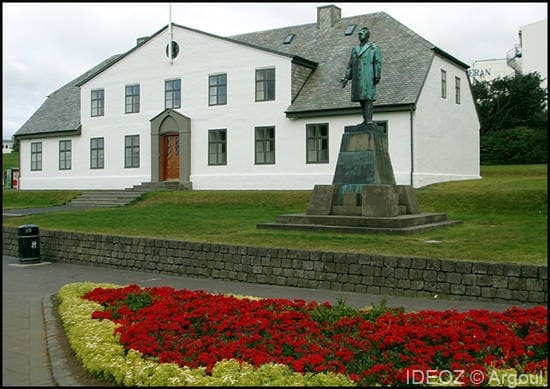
x: 364, y: 70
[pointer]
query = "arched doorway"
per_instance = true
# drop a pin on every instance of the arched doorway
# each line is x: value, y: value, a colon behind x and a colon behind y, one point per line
x: 171, y: 147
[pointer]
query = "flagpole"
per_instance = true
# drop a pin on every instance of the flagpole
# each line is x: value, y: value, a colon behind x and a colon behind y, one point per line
x: 171, y: 33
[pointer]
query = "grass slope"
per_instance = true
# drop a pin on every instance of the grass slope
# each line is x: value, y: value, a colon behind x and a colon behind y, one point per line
x: 504, y: 214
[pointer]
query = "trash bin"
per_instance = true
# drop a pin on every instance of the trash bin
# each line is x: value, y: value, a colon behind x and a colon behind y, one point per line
x: 29, y: 243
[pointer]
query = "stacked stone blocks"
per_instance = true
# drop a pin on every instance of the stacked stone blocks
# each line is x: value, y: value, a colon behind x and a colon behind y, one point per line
x: 362, y: 273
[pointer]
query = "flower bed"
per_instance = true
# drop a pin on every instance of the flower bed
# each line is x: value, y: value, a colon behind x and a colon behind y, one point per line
x: 326, y: 344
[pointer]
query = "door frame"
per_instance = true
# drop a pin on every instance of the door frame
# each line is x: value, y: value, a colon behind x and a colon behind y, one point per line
x: 166, y: 122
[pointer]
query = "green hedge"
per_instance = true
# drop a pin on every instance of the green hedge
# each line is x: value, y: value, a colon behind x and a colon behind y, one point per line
x: 514, y: 146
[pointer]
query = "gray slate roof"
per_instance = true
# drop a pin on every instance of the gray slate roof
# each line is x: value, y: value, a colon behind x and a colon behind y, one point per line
x: 61, y: 110
x: 406, y: 58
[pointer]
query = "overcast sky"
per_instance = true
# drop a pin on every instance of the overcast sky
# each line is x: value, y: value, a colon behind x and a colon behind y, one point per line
x: 46, y: 45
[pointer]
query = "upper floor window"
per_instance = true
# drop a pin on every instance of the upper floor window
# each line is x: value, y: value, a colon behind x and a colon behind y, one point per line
x: 217, y: 89
x: 317, y: 143
x: 131, y: 151
x: 443, y: 84
x: 97, y: 153
x: 36, y: 156
x: 265, y: 145
x: 217, y: 147
x: 65, y: 149
x: 132, y: 99
x: 172, y: 94
x: 457, y: 90
x: 265, y: 84
x: 98, y: 102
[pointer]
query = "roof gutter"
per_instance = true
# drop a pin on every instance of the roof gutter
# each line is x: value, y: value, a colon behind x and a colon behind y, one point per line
x: 51, y: 134
x: 407, y: 107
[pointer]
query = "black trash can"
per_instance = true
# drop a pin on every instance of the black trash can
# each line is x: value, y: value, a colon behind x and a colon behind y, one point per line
x: 29, y: 243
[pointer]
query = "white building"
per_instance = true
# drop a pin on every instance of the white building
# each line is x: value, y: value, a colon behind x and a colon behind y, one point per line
x: 257, y: 111
x: 534, y: 49
x: 7, y: 146
x: 490, y: 69
x: 529, y: 55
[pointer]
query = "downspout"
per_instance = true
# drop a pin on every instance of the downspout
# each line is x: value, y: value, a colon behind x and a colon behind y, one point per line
x: 411, y: 109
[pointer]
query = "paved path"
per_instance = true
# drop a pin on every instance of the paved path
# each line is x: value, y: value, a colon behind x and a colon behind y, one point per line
x: 33, y: 211
x: 25, y: 352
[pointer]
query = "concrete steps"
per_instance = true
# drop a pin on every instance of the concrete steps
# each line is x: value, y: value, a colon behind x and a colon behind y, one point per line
x: 163, y: 185
x: 117, y: 198
x: 105, y: 198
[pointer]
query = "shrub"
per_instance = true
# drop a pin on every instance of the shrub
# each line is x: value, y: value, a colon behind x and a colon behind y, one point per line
x: 516, y: 146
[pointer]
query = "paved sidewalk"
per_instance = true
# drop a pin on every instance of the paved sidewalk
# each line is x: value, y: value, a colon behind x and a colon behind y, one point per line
x: 25, y: 352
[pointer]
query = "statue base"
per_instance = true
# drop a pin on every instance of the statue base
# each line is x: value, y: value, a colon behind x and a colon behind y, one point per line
x: 402, y: 225
x: 363, y: 196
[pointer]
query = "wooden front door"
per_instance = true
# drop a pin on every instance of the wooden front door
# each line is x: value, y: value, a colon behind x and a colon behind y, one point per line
x: 170, y: 157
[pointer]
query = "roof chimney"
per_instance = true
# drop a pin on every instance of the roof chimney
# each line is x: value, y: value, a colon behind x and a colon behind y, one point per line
x: 328, y: 16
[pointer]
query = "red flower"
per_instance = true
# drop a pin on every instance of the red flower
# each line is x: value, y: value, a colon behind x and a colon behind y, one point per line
x: 194, y: 328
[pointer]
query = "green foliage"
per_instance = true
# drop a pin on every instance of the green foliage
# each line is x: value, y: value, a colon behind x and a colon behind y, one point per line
x: 10, y: 160
x: 36, y: 198
x: 134, y: 301
x: 514, y: 146
x: 509, y: 102
x: 323, y: 313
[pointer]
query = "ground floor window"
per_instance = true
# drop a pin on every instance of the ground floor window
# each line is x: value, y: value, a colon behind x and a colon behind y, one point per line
x: 36, y: 156
x: 65, y: 148
x: 317, y: 143
x: 131, y: 151
x: 217, y: 147
x: 265, y: 145
x: 97, y: 153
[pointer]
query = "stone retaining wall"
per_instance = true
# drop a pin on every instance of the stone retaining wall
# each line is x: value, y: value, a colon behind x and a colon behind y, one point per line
x: 362, y: 273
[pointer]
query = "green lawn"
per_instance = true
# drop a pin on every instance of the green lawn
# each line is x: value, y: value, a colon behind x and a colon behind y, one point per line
x: 10, y: 160
x: 12, y: 199
x: 504, y: 214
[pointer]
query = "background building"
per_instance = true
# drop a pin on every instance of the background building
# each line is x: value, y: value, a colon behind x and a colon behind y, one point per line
x: 7, y: 146
x: 530, y: 54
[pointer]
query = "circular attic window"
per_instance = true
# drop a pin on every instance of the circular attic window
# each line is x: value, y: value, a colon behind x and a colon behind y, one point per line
x: 175, y: 50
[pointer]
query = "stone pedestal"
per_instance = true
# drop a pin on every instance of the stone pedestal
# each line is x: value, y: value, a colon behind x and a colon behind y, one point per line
x: 364, y: 157
x: 363, y: 196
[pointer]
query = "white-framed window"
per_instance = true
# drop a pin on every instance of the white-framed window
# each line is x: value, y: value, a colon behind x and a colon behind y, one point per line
x: 97, y: 153
x: 131, y: 151
x: 172, y: 93
x: 36, y: 156
x: 217, y: 89
x: 217, y: 147
x: 264, y: 145
x: 317, y: 143
x: 132, y: 99
x: 265, y: 84
x: 65, y: 151
x: 98, y: 102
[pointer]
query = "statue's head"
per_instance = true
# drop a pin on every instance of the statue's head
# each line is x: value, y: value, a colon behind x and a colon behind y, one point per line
x: 363, y: 33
